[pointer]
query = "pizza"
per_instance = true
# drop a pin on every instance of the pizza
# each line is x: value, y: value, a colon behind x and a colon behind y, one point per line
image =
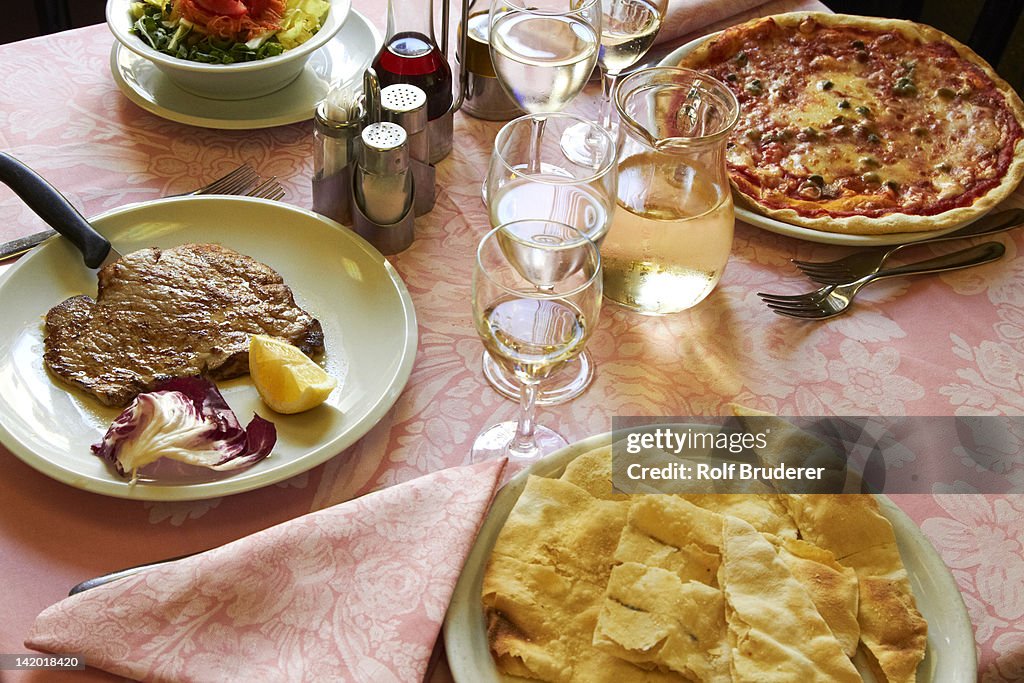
x: 862, y: 125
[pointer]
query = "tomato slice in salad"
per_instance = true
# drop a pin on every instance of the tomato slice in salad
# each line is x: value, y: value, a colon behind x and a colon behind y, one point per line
x: 225, y: 8
x: 258, y: 7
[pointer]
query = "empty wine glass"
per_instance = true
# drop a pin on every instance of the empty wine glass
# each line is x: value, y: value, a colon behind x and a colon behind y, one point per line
x: 628, y: 29
x: 581, y: 195
x: 536, y: 299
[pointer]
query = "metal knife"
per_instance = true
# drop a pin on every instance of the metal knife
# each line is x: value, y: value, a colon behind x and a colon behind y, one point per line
x: 22, y: 244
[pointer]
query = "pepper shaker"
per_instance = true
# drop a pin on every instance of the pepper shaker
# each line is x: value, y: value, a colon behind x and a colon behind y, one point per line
x: 406, y: 105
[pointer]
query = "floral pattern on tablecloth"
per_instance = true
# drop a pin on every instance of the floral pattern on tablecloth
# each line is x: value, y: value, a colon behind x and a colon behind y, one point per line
x: 982, y: 542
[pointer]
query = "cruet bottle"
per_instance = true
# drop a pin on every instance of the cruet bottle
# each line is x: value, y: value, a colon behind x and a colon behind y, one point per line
x: 410, y: 54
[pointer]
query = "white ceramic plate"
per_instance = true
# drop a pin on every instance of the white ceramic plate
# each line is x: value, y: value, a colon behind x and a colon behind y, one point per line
x: 367, y: 315
x: 342, y: 59
x: 950, y: 657
x: 783, y: 228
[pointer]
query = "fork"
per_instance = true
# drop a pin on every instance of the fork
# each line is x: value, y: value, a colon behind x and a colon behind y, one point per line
x: 268, y: 189
x: 833, y: 300
x: 237, y: 182
x: 862, y: 263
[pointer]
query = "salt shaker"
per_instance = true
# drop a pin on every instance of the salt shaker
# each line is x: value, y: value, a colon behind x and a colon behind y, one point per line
x: 383, y: 188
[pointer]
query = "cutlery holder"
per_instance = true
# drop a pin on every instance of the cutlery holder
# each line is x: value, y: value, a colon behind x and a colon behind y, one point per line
x: 424, y: 178
x: 380, y: 172
x: 338, y: 203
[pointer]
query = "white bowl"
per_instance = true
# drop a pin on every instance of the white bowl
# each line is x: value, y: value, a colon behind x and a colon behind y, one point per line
x: 240, y: 81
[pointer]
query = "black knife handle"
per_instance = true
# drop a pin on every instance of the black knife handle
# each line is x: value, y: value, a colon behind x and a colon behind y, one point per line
x: 52, y: 207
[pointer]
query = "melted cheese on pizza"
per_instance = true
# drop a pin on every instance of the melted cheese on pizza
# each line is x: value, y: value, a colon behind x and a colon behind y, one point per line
x: 848, y: 121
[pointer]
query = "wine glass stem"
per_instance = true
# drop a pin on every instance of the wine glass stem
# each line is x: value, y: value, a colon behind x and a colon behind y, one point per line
x: 607, y: 86
x: 524, y: 444
x: 536, y: 137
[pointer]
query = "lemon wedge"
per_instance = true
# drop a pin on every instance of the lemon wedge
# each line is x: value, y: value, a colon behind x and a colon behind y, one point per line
x: 287, y: 380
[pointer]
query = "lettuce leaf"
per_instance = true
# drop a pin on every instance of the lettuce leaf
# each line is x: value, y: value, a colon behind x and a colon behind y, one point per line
x: 302, y: 18
x: 185, y: 419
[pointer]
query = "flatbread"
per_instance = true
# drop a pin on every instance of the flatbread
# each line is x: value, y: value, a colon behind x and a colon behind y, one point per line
x: 764, y: 511
x: 540, y: 625
x: 592, y: 472
x: 672, y: 534
x: 586, y: 586
x: 832, y: 587
x: 893, y: 632
x: 557, y: 524
x: 776, y: 633
x: 651, y: 616
x: 544, y: 584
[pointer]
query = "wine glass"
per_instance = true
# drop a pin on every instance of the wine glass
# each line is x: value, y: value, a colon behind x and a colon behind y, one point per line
x: 628, y: 29
x: 581, y: 195
x: 536, y: 299
x: 543, y: 51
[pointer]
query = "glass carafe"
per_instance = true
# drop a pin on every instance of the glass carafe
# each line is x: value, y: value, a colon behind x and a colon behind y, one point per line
x: 410, y: 54
x: 673, y: 225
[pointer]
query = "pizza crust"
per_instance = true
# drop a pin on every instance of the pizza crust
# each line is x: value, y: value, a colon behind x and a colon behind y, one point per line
x: 896, y: 222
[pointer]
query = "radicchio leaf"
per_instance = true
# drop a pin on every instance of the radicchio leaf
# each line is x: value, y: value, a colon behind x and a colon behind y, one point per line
x: 184, y: 419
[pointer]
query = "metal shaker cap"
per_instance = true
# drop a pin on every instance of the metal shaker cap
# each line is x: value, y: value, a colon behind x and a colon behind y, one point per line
x: 385, y: 149
x: 406, y: 105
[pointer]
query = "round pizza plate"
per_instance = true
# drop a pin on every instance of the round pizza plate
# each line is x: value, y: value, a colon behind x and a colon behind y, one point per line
x: 808, y: 234
x: 950, y: 657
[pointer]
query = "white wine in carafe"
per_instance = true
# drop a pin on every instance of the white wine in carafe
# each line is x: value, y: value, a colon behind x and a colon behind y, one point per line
x: 670, y: 237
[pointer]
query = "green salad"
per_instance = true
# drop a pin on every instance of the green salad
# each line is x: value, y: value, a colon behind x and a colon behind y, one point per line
x: 226, y: 31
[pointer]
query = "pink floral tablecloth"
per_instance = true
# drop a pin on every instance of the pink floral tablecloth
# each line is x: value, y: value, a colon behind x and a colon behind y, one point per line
x: 947, y: 345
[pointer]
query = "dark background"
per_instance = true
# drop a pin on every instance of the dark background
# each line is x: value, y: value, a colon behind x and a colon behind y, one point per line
x: 994, y: 28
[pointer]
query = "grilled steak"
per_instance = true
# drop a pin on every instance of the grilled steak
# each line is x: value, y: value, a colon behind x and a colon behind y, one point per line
x: 177, y: 312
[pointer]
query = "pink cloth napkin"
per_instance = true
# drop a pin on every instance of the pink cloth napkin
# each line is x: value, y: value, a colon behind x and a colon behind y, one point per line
x: 355, y: 592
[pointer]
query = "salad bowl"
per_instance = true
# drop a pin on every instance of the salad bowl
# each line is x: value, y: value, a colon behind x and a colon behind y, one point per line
x: 240, y: 80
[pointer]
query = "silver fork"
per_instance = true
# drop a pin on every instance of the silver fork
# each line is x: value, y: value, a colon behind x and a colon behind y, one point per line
x: 237, y: 182
x: 862, y: 263
x: 833, y: 300
x: 268, y: 189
